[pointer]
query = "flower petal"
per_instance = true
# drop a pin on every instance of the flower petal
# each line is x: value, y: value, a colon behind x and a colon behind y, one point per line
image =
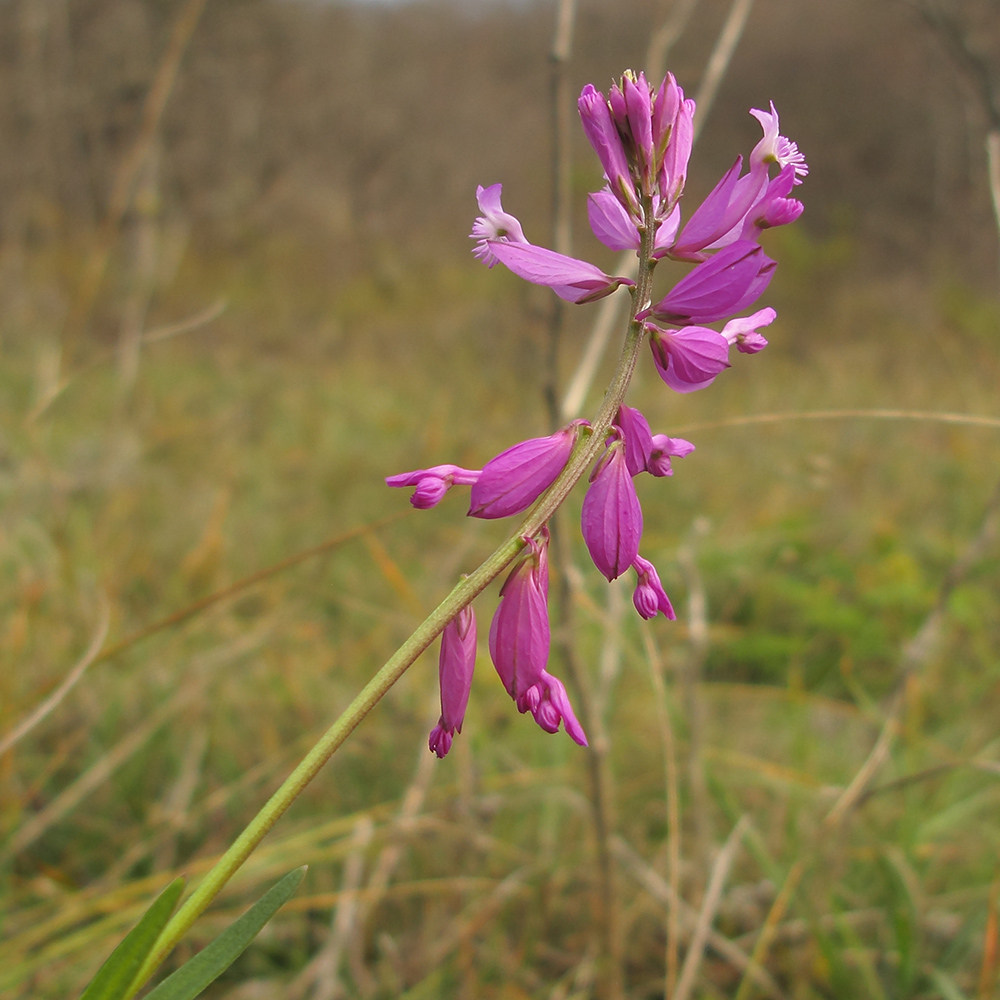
x: 611, y: 224
x: 517, y: 477
x: 611, y: 518
x: 519, y: 633
x: 571, y: 279
x: 637, y: 436
x: 649, y: 596
x: 724, y: 284
x: 432, y: 484
x: 688, y: 359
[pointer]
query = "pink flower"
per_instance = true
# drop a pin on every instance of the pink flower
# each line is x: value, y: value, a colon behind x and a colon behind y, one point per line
x: 689, y: 358
x: 731, y: 280
x: 743, y: 331
x: 611, y: 519
x: 719, y: 219
x: 455, y: 666
x: 432, y: 484
x: 649, y: 596
x: 602, y: 133
x: 616, y: 229
x: 775, y: 148
x: 645, y: 451
x: 517, y: 477
x: 519, y: 633
x: 571, y: 279
x: 773, y: 207
x: 637, y: 438
x: 740, y: 207
x: 494, y: 224
x: 549, y: 705
x: 664, y: 448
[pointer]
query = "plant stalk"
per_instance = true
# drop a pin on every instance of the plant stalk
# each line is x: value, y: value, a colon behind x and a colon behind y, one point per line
x: 585, y: 451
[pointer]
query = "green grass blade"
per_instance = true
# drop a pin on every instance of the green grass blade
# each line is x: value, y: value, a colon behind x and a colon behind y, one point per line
x: 116, y: 975
x: 948, y: 987
x: 192, y: 977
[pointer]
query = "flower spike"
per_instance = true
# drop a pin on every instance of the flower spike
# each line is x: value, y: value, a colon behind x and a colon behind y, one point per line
x: 643, y: 135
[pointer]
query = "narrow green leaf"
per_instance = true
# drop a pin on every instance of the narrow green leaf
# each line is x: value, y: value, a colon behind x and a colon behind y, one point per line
x: 116, y: 975
x: 948, y: 987
x: 192, y: 977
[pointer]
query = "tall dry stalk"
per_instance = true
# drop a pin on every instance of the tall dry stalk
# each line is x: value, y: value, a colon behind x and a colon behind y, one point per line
x: 123, y: 190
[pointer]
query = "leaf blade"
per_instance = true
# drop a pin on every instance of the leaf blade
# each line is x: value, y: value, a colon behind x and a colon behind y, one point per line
x: 116, y: 974
x: 205, y: 967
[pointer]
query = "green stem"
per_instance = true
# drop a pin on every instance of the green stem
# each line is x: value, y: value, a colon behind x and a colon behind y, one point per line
x: 464, y: 593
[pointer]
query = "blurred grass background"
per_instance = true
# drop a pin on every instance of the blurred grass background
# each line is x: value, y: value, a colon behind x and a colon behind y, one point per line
x: 305, y: 198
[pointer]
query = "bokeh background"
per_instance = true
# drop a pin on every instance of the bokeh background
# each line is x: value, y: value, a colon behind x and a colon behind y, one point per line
x: 236, y: 292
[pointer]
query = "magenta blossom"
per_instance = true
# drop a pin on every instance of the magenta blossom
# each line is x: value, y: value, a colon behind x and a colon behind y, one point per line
x: 637, y: 437
x: 549, y: 705
x: 775, y: 148
x: 724, y: 284
x: 719, y: 219
x: 493, y: 224
x: 519, y: 633
x: 689, y: 358
x: 643, y: 139
x: 571, y: 279
x: 665, y: 448
x: 611, y: 519
x: 455, y: 666
x: 499, y: 236
x: 432, y: 484
x: 613, y: 226
x: 645, y: 451
x: 649, y: 597
x: 743, y: 331
x: 654, y: 135
x: 603, y: 135
x: 517, y: 477
x: 519, y: 643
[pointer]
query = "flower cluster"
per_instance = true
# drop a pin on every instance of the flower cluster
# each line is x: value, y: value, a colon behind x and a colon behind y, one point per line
x: 643, y: 138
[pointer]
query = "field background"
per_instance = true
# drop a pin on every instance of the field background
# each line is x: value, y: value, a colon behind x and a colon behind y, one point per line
x: 222, y: 326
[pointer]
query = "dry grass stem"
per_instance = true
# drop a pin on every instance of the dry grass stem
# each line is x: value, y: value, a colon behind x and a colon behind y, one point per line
x: 93, y: 777
x: 69, y: 681
x: 768, y: 932
x: 322, y: 974
x: 666, y: 36
x: 388, y: 860
x: 964, y: 419
x: 718, y: 61
x: 123, y: 187
x: 666, y: 896
x: 673, y: 812
x: 709, y: 907
x: 690, y: 678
